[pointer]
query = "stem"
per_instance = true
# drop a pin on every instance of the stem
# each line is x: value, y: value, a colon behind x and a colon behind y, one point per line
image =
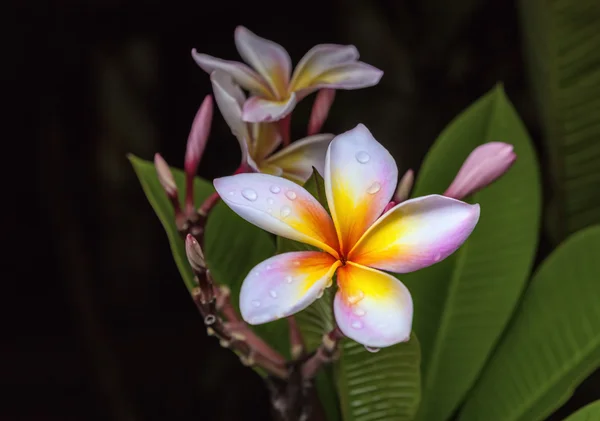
x: 296, y: 342
x: 326, y: 353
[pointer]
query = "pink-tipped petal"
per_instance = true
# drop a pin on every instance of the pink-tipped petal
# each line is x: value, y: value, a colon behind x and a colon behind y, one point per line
x: 285, y: 284
x: 230, y: 99
x: 320, y: 59
x: 257, y: 109
x: 268, y: 58
x: 241, y: 74
x: 404, y: 186
x: 320, y: 110
x: 484, y: 165
x: 360, y: 179
x: 372, y: 307
x: 297, y: 160
x: 279, y: 206
x: 267, y: 138
x: 198, y: 135
x: 416, y: 233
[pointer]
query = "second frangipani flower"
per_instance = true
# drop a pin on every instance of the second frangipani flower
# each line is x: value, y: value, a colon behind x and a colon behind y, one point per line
x: 258, y: 141
x: 370, y: 306
x: 274, y: 88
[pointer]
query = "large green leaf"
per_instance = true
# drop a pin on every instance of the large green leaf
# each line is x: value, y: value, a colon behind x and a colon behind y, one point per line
x: 552, y: 343
x: 382, y: 386
x: 589, y: 412
x: 463, y: 304
x: 562, y: 43
x: 232, y: 246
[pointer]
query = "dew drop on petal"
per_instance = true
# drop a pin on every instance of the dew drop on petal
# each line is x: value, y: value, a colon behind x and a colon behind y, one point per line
x: 273, y: 294
x: 296, y: 262
x: 249, y: 194
x: 359, y: 312
x: 231, y: 193
x: 274, y: 189
x: 372, y: 349
x: 437, y: 257
x: 288, y: 279
x: 269, y: 210
x: 320, y: 294
x: 290, y: 195
x: 362, y: 157
x: 353, y: 299
x: 285, y: 211
x: 268, y: 267
x: 374, y: 188
x: 270, y: 201
x: 356, y: 324
x: 256, y: 303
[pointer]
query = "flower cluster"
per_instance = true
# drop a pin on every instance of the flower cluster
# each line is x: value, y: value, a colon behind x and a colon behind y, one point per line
x: 372, y: 228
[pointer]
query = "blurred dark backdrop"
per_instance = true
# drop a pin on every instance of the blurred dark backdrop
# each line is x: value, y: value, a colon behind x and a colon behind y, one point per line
x: 102, y: 327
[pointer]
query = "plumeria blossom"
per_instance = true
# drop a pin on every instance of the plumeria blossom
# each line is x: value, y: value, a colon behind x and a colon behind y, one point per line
x: 275, y: 89
x: 258, y: 141
x: 357, y: 242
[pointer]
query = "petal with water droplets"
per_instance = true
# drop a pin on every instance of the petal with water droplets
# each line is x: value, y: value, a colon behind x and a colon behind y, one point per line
x: 416, y: 233
x: 360, y: 179
x: 285, y: 284
x: 372, y: 307
x: 279, y: 206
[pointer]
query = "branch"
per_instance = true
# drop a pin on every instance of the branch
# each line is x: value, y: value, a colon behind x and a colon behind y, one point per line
x: 325, y: 354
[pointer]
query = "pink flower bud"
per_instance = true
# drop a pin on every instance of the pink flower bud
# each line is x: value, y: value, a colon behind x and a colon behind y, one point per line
x: 483, y: 166
x: 404, y: 187
x: 165, y: 176
x: 194, y: 254
x: 195, y: 148
x: 320, y: 110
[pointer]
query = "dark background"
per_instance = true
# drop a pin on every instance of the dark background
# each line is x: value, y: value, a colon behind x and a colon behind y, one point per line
x: 102, y: 326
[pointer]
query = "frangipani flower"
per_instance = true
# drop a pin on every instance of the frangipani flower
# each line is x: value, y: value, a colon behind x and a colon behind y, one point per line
x: 370, y: 306
x: 275, y: 94
x: 259, y: 140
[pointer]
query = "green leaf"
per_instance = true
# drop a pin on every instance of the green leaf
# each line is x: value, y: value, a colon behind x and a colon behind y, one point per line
x: 562, y: 46
x: 382, y: 386
x: 157, y: 197
x: 589, y: 412
x: 232, y: 246
x: 463, y: 304
x: 553, y: 342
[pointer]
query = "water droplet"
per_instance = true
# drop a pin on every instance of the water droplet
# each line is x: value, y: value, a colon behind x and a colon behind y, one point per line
x: 288, y: 279
x: 362, y: 157
x: 359, y: 312
x: 372, y: 349
x: 285, y: 211
x: 329, y: 283
x: 437, y: 257
x: 269, y: 210
x: 356, y: 324
x: 257, y: 274
x: 374, y: 188
x: 231, y: 193
x: 273, y: 294
x: 296, y: 262
x: 268, y: 267
x: 320, y: 294
x: 249, y: 194
x: 270, y: 201
x: 275, y: 189
x: 290, y: 195
x: 256, y: 303
x: 353, y: 299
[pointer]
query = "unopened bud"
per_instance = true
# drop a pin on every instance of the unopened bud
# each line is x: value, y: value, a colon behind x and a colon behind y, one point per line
x: 194, y: 254
x: 404, y: 186
x: 320, y: 110
x: 195, y: 148
x: 165, y: 176
x: 483, y: 166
